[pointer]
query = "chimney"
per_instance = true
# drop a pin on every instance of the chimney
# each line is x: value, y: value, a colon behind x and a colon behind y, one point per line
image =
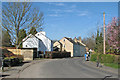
x: 80, y: 39
x: 75, y: 39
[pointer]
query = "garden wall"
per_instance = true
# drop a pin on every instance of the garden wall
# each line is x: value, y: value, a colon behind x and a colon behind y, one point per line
x: 29, y: 53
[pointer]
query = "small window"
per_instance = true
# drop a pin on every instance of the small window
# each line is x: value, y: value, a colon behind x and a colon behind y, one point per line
x: 26, y: 45
x: 64, y: 40
x: 38, y: 34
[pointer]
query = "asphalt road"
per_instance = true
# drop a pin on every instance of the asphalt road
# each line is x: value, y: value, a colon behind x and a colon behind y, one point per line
x: 63, y: 68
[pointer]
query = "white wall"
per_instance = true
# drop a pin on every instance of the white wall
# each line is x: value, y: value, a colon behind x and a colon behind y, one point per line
x: 45, y: 41
x: 31, y: 42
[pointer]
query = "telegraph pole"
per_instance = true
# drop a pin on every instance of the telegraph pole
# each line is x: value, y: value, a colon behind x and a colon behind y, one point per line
x: 104, y: 32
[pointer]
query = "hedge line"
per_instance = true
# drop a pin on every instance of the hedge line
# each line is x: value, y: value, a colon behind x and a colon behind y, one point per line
x: 57, y: 54
x: 105, y: 58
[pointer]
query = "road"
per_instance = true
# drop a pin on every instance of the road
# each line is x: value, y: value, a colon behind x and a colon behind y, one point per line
x: 63, y: 68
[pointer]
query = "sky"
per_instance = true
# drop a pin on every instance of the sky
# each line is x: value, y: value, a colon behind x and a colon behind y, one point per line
x: 74, y: 19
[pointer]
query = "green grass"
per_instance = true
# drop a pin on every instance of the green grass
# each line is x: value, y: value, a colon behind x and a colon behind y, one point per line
x: 113, y: 65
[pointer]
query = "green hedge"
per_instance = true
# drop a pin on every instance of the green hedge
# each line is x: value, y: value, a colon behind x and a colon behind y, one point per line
x: 105, y: 58
x: 93, y: 57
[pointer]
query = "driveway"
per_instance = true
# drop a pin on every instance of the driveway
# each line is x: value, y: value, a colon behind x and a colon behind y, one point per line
x: 63, y: 68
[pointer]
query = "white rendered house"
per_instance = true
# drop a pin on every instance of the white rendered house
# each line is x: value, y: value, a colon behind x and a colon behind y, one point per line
x: 39, y: 41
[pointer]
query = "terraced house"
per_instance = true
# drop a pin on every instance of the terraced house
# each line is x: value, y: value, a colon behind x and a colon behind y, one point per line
x: 76, y: 47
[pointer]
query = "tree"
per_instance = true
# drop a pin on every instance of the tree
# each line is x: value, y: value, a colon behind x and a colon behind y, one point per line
x: 22, y: 35
x: 20, y: 15
x: 99, y: 42
x: 33, y: 31
x: 113, y: 31
x: 90, y: 42
x: 6, y: 39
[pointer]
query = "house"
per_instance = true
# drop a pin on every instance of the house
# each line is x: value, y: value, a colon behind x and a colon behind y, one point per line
x: 39, y: 41
x: 57, y: 46
x: 76, y: 47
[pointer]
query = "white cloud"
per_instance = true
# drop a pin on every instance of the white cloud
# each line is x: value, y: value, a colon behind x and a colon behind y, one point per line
x: 56, y: 3
x: 82, y: 13
x: 54, y: 15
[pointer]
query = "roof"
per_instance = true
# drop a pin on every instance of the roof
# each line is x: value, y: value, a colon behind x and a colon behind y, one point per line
x: 29, y: 36
x: 43, y: 35
x: 72, y: 41
x: 58, y: 42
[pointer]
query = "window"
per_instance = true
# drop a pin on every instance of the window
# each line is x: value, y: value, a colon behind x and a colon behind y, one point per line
x: 64, y: 40
x: 26, y: 45
x: 38, y: 34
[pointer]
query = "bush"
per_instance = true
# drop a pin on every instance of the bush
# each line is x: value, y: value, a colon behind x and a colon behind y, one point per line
x: 105, y: 58
x: 93, y: 57
x: 13, y: 60
x: 20, y: 57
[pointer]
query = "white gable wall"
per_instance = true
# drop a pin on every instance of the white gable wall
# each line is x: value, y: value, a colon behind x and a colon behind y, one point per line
x: 31, y: 42
x: 47, y: 42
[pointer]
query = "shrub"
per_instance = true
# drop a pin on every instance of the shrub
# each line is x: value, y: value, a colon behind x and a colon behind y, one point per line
x: 93, y: 57
x: 20, y: 57
x: 109, y: 58
x: 105, y: 58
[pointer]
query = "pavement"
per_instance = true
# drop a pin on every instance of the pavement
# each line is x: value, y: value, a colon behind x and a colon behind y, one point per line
x: 60, y: 68
x: 13, y: 72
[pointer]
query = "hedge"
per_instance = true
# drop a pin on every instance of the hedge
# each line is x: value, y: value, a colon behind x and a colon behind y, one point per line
x: 57, y: 54
x: 13, y: 60
x: 105, y: 58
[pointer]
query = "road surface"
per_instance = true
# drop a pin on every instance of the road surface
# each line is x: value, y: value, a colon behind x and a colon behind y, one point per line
x: 63, y: 68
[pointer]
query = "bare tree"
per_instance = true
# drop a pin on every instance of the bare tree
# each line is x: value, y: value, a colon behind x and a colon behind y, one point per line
x: 20, y: 15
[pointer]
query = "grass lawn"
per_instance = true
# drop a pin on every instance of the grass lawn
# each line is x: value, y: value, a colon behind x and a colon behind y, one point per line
x: 113, y: 65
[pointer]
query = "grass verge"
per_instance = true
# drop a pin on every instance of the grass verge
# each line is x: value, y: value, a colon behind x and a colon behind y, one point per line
x: 113, y: 65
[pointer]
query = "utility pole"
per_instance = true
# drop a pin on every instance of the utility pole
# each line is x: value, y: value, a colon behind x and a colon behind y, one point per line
x: 104, y: 32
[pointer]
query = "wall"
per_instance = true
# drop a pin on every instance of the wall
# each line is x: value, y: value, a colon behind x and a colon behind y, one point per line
x: 46, y: 41
x: 58, y: 44
x: 28, y: 53
x: 76, y: 50
x: 82, y: 50
x: 67, y: 46
x: 15, y: 51
x: 31, y: 42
